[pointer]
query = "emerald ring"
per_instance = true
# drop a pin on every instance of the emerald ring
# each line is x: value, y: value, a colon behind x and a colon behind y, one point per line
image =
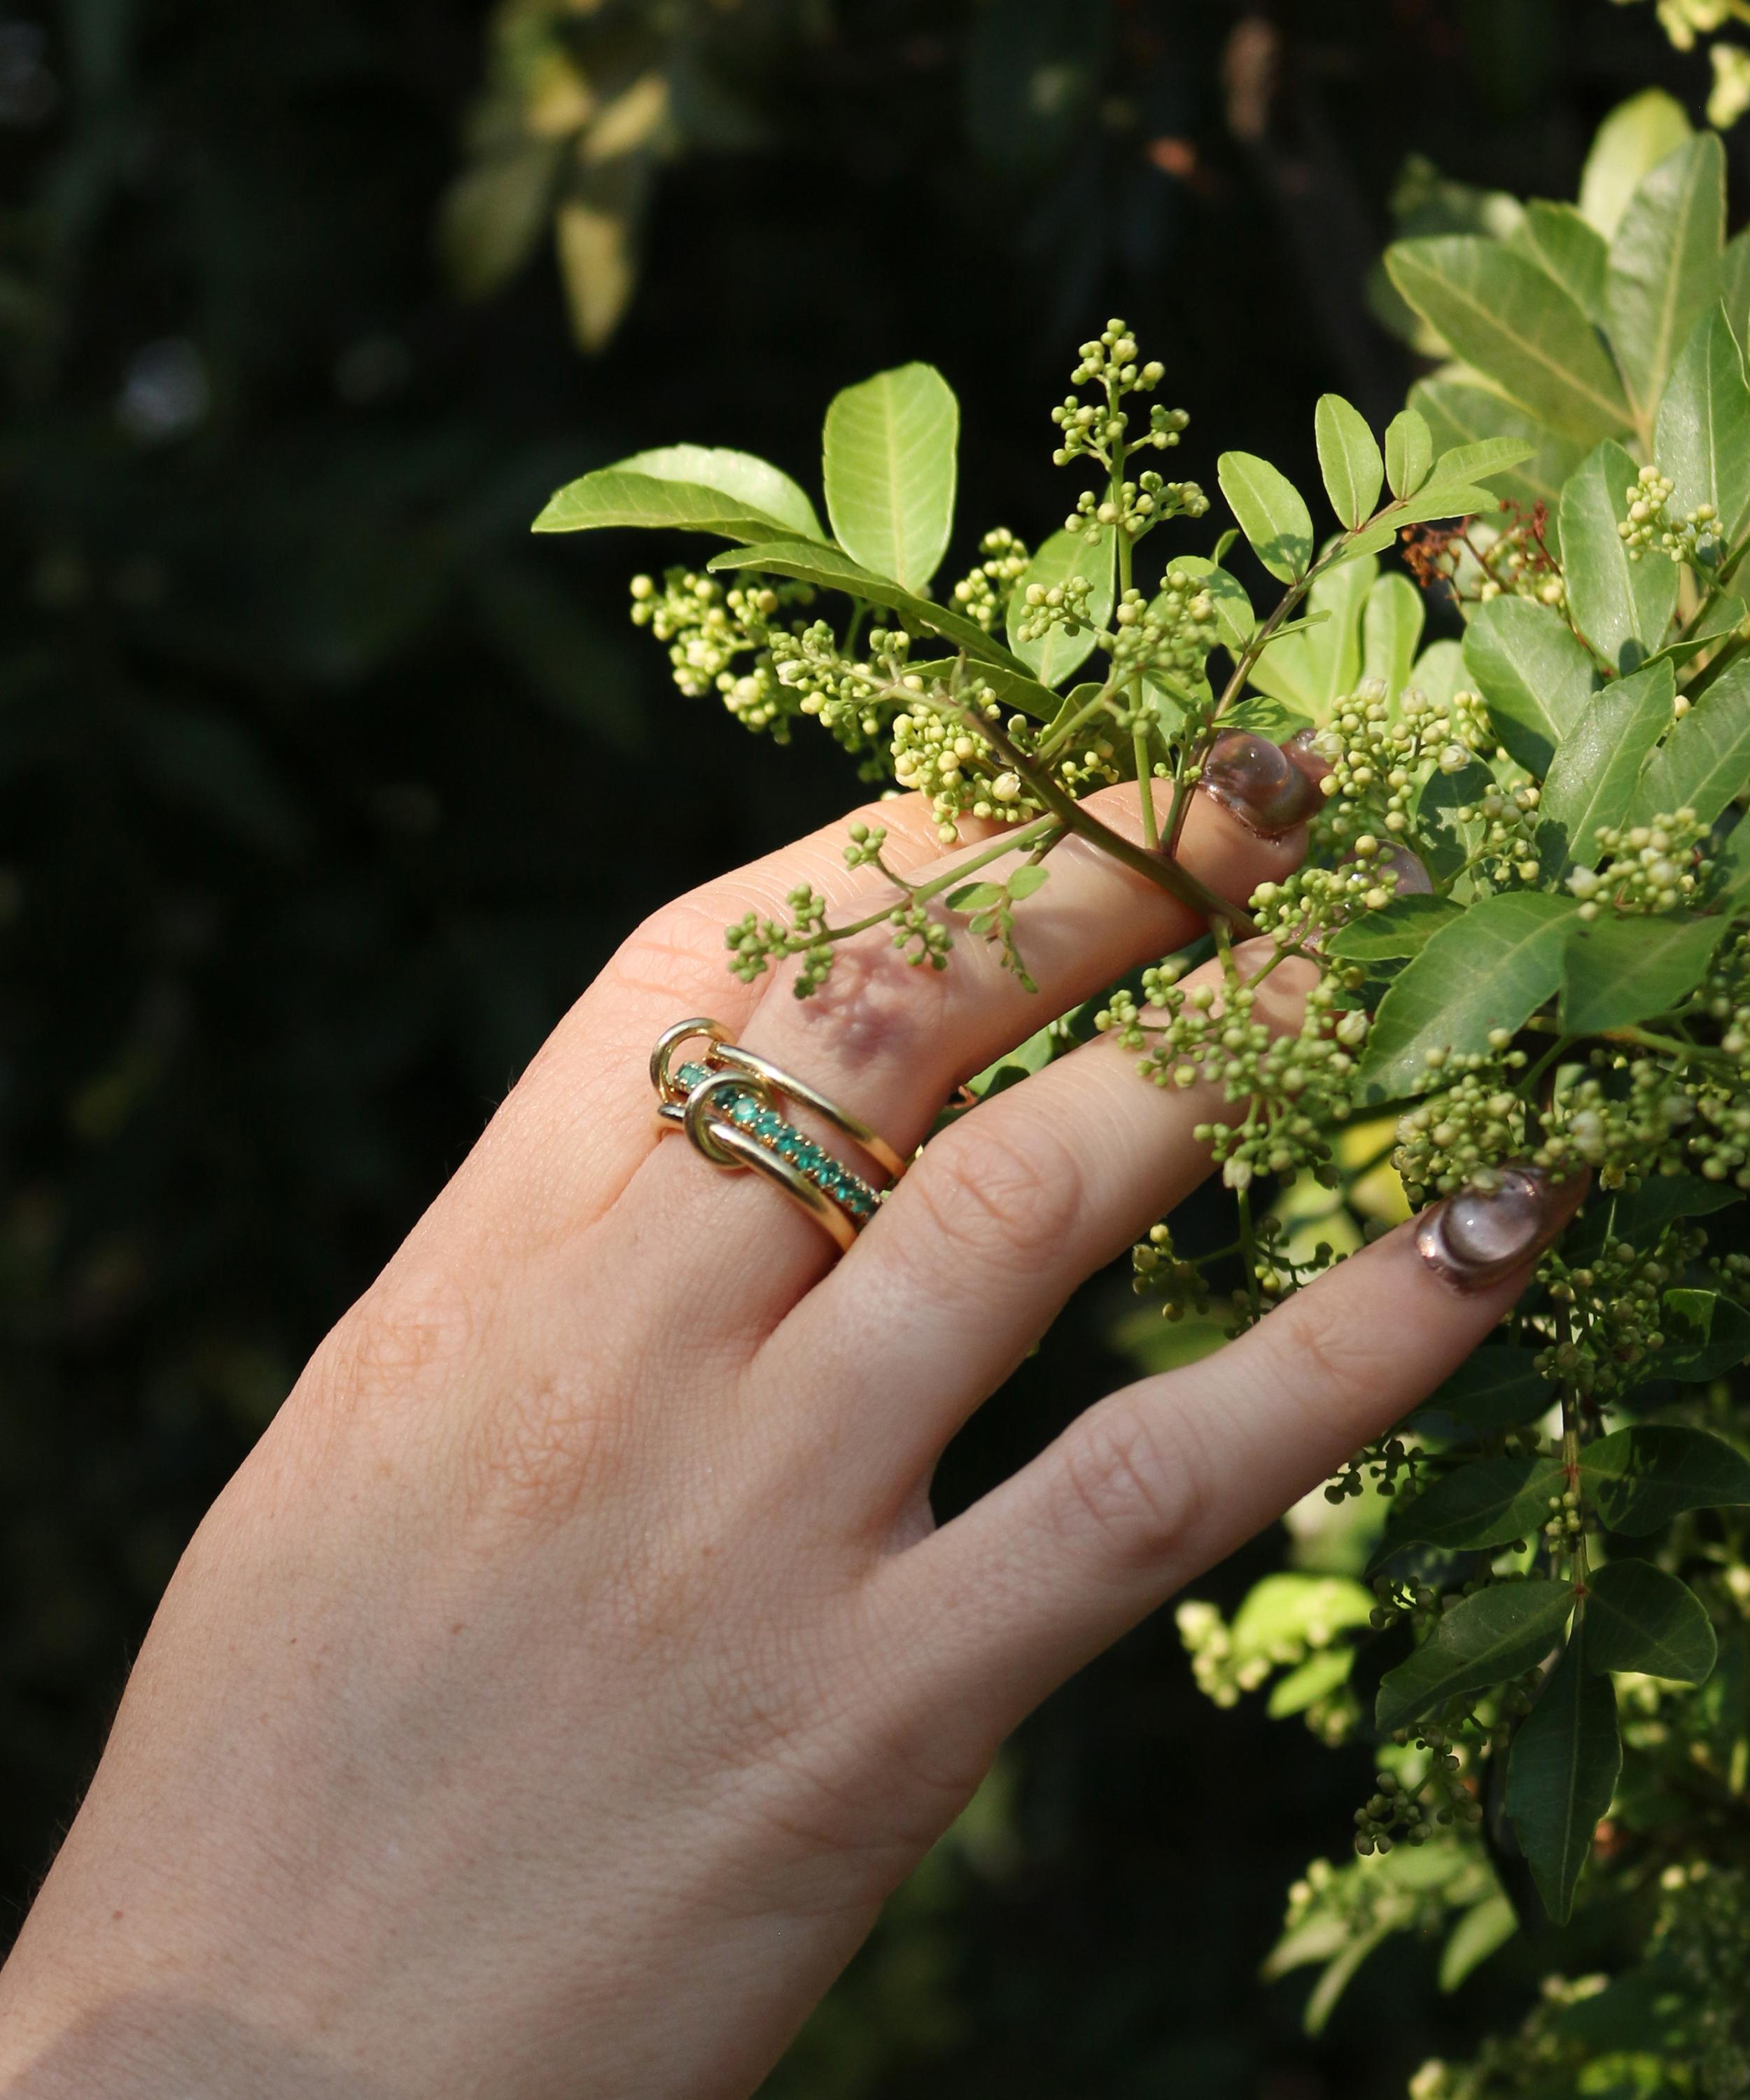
x: 726, y: 1100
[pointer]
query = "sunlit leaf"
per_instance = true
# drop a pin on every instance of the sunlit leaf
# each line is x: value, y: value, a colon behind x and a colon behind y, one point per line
x: 1349, y: 459
x: 1703, y: 437
x: 1631, y: 142
x: 1509, y: 320
x: 1535, y: 678
x: 1622, y: 606
x: 1705, y: 761
x: 1391, y: 624
x: 1618, y: 971
x: 1409, y: 451
x: 1665, y: 266
x: 1596, y: 773
x: 1271, y: 511
x: 1493, y: 968
x: 888, y: 454
x: 1565, y: 245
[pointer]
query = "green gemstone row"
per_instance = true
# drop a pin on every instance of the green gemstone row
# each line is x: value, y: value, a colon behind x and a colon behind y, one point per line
x: 828, y: 1174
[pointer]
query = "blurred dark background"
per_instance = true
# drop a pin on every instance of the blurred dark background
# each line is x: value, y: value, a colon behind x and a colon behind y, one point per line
x: 324, y: 788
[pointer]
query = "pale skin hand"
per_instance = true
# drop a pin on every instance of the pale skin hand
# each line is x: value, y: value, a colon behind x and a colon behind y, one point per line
x: 548, y: 1705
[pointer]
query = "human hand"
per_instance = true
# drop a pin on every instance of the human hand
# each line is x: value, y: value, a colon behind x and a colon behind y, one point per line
x: 550, y: 1701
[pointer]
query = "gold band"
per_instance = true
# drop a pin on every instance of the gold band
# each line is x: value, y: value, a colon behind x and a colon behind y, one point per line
x: 725, y: 1100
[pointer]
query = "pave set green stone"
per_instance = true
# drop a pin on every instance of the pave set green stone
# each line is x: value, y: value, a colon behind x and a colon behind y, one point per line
x: 744, y: 1108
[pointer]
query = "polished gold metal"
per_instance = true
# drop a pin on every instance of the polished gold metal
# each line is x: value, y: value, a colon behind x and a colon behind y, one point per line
x: 670, y: 1092
x: 725, y: 1100
x: 762, y: 1068
x: 727, y: 1145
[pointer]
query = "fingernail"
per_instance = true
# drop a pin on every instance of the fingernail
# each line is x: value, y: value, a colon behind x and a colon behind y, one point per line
x: 1474, y: 1238
x: 1268, y: 790
x: 1302, y: 751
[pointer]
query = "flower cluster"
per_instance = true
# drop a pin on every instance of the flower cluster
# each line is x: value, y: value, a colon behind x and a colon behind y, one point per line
x: 1475, y: 1120
x: 1095, y: 431
x: 936, y: 753
x: 1648, y: 525
x: 1053, y: 606
x: 983, y: 594
x: 1135, y: 507
x: 1290, y: 1083
x: 1656, y: 867
x: 709, y: 625
x: 1378, y: 755
x: 1169, y: 637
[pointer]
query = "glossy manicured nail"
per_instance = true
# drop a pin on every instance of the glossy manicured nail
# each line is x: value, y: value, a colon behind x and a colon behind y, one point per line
x: 1302, y: 753
x: 1475, y: 1237
x: 1266, y: 788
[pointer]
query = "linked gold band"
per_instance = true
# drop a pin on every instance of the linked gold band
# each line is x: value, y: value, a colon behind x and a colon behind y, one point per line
x: 725, y: 1100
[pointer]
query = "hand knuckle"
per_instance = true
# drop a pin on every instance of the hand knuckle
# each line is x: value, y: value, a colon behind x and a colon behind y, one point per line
x: 1009, y: 1194
x: 1129, y: 1481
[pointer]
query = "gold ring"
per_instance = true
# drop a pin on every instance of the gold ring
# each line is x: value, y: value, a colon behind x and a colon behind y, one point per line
x: 725, y: 1101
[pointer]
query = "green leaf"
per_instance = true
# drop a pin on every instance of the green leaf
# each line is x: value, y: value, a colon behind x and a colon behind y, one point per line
x: 889, y: 464
x: 1495, y: 1388
x: 1707, y: 1334
x: 1640, y: 1478
x: 1562, y: 1772
x: 1636, y: 136
x: 1665, y: 266
x: 1535, y: 677
x: 1026, y: 879
x: 1638, y: 1617
x: 1640, y: 1216
x: 1435, y: 499
x: 702, y: 488
x: 975, y: 897
x: 1409, y: 451
x: 1596, y: 772
x: 1391, y: 624
x: 1233, y: 609
x: 1703, y: 439
x: 1402, y: 927
x: 1316, y: 1679
x: 1492, y: 968
x: 1448, y: 840
x: 1705, y: 761
x: 1618, y: 971
x: 1563, y: 245
x: 1271, y: 514
x: 1734, y: 285
x: 1483, y: 1640
x: 1621, y: 607
x: 1489, y: 1501
x: 1477, y: 460
x: 1440, y: 670
x: 1461, y: 409
x: 1313, y: 666
x: 1507, y: 319
x: 1483, y: 1929
x: 1349, y: 459
x: 1066, y: 554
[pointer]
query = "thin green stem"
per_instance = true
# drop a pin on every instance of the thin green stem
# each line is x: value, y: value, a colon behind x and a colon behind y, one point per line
x: 1041, y: 834
x: 1156, y: 867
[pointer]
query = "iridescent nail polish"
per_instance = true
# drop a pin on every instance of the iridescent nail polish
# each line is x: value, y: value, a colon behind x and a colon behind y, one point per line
x: 1266, y: 789
x: 1474, y: 1238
